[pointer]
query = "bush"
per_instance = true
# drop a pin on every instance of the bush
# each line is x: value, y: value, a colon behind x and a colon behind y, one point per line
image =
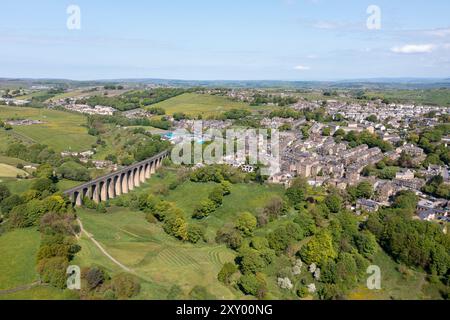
x: 72, y: 170
x: 195, y: 233
x: 125, y: 286
x: 246, y: 223
x: 227, y: 272
x: 53, y: 271
x: 204, y: 209
x: 230, y: 236
x: 216, y: 196
x: 252, y: 284
x: 95, y: 277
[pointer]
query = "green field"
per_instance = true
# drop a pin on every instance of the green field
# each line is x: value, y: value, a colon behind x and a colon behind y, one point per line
x: 199, y: 104
x: 18, y: 258
x: 395, y: 285
x: 158, y: 259
x: 7, y: 171
x: 61, y: 131
x: 439, y: 97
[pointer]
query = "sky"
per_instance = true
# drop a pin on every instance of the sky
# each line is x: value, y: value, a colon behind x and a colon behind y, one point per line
x: 225, y: 39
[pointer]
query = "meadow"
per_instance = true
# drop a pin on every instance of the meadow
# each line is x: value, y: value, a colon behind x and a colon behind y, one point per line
x: 7, y: 171
x: 194, y: 104
x: 156, y: 258
x: 61, y: 131
x: 18, y: 268
x: 18, y: 258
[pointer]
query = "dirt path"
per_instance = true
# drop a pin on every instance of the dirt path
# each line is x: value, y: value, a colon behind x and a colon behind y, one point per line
x: 21, y: 288
x: 98, y: 245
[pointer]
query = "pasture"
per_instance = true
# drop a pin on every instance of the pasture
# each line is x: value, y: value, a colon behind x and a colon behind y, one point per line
x: 18, y: 258
x: 7, y: 171
x: 194, y: 104
x: 158, y: 259
x: 61, y: 131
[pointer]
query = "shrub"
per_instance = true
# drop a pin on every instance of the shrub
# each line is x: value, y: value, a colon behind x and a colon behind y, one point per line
x: 204, y: 209
x: 195, y: 233
x: 53, y: 271
x: 252, y: 284
x: 125, y: 286
x: 227, y: 272
x: 246, y: 223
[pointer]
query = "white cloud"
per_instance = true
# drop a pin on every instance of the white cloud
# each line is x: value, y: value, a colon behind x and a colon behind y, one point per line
x: 302, y: 68
x: 414, y: 48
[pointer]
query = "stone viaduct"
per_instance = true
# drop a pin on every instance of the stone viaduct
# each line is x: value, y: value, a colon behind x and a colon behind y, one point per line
x: 116, y: 183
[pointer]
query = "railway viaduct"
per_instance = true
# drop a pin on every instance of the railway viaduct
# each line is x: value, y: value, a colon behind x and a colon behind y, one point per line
x: 117, y: 183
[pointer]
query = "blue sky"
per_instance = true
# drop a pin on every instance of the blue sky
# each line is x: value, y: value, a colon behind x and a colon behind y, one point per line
x: 225, y: 39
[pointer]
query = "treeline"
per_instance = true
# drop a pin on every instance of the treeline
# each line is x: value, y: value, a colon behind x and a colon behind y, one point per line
x: 95, y: 120
x: 264, y: 99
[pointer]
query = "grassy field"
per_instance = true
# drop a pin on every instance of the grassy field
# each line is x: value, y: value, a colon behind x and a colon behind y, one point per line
x: 396, y: 285
x: 18, y: 258
x: 196, y: 104
x: 158, y: 259
x: 7, y: 171
x: 244, y: 197
x: 41, y: 293
x: 439, y: 97
x: 147, y: 249
x: 61, y: 130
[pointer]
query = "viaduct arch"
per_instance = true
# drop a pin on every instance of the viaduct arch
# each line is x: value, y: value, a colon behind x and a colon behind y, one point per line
x: 116, y: 183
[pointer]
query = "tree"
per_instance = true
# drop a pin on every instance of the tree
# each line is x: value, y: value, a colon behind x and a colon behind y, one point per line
x: 204, y: 209
x: 227, y: 272
x: 246, y: 223
x: 53, y: 271
x: 44, y: 184
x: 195, y: 233
x: 252, y: 284
x: 10, y: 202
x: 216, y: 196
x: 275, y: 207
x: 230, y: 236
x: 297, y: 191
x: 4, y: 192
x: 44, y: 171
x: 278, y: 239
x: 226, y: 187
x: 366, y: 244
x: 319, y: 249
x: 176, y: 225
x: 334, y: 202
x: 364, y: 190
x: 95, y: 277
x: 73, y: 171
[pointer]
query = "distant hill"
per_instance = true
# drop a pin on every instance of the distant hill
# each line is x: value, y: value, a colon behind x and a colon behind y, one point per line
x: 375, y: 83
